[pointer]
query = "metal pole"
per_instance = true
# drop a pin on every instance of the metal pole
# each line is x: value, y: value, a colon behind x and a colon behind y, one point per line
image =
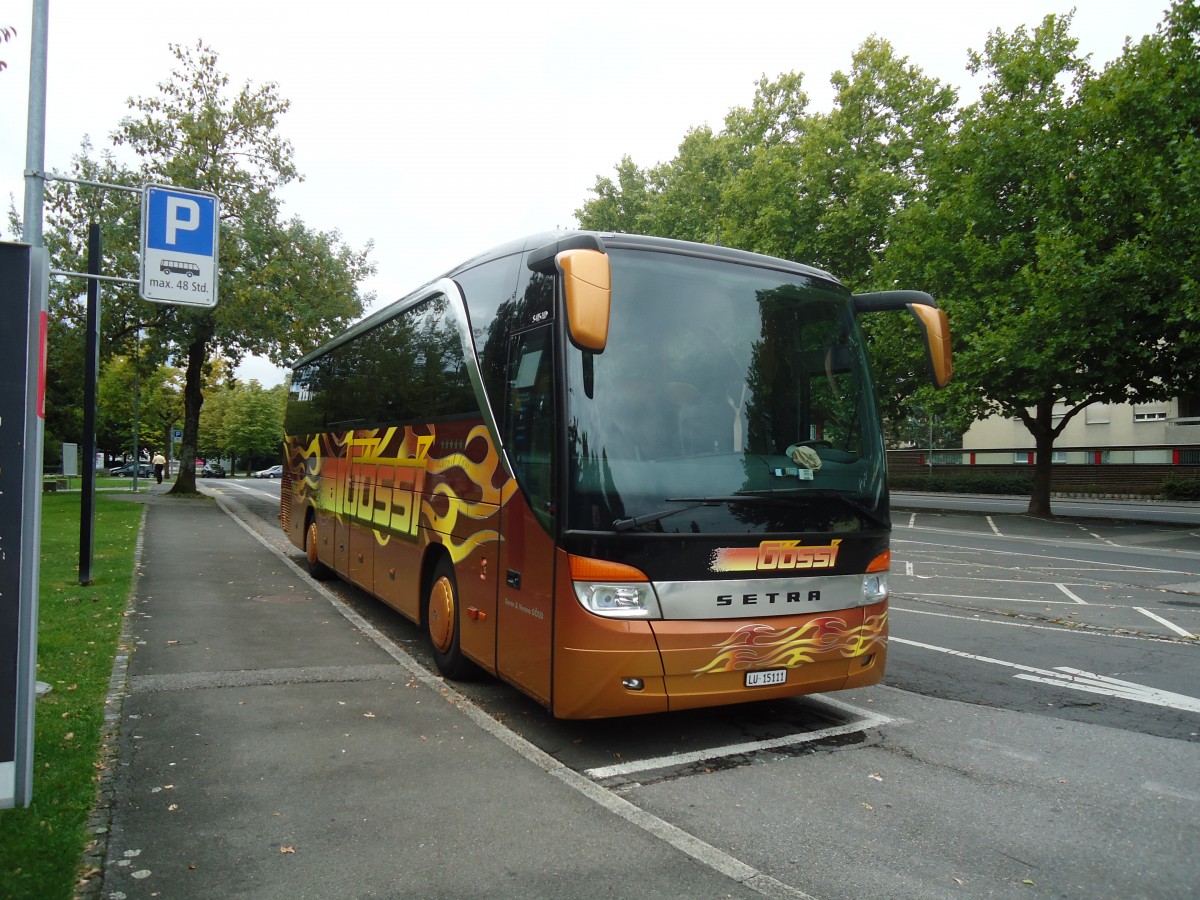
x: 35, y: 135
x: 91, y: 374
x: 137, y: 451
x: 31, y: 227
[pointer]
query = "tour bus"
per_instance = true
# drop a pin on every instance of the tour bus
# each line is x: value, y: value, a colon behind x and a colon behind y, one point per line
x: 624, y: 474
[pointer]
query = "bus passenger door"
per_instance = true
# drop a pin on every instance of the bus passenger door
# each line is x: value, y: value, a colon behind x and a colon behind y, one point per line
x: 524, y: 615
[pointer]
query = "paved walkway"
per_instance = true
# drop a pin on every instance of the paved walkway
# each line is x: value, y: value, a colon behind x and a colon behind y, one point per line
x: 269, y: 747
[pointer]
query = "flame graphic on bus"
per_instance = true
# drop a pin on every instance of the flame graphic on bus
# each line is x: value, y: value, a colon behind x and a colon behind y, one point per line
x: 382, y: 478
x: 762, y: 646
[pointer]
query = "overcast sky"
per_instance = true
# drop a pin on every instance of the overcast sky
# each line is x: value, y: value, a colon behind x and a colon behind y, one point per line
x: 439, y: 130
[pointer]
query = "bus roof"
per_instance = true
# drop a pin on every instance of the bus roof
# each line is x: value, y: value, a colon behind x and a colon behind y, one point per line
x: 608, y: 239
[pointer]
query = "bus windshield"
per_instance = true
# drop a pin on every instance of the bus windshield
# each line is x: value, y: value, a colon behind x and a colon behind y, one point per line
x: 730, y: 398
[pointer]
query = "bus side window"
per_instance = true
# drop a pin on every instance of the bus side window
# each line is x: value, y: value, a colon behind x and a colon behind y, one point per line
x: 529, y: 419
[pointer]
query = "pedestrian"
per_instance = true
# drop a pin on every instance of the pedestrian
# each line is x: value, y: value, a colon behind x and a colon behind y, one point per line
x: 160, y: 463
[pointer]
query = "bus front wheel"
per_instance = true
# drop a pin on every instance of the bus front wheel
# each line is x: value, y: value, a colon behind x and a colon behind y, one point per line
x: 442, y: 622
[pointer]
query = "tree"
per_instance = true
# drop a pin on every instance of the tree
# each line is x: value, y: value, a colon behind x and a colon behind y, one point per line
x: 1047, y: 236
x: 619, y: 205
x: 254, y: 422
x: 283, y: 287
x: 159, y: 405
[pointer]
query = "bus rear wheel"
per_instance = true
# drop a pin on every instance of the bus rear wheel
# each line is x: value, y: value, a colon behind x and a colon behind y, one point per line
x: 316, y: 568
x: 442, y: 621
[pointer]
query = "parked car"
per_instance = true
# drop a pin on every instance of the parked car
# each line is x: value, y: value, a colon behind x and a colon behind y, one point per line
x: 144, y: 470
x: 273, y: 472
x: 212, y: 470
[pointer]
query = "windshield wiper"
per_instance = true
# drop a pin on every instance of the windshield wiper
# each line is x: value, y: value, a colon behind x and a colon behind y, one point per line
x: 692, y: 503
x: 796, y: 495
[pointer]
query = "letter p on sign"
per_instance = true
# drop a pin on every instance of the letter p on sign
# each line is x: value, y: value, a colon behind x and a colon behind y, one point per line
x: 183, y: 214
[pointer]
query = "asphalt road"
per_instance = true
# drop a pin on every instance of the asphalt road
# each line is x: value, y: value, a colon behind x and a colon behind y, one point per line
x: 1038, y: 733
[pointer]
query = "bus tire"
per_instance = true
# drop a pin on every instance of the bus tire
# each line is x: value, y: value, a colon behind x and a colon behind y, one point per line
x: 316, y: 568
x: 443, y: 620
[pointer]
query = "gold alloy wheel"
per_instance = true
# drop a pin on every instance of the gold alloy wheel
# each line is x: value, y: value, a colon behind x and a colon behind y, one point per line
x: 441, y: 614
x: 310, y: 548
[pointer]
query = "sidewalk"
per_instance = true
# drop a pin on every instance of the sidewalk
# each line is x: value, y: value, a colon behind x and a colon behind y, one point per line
x: 269, y: 748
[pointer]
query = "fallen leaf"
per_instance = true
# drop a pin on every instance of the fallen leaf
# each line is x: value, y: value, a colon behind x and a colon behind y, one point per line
x: 173, y: 807
x: 287, y: 848
x: 877, y: 776
x: 369, y: 715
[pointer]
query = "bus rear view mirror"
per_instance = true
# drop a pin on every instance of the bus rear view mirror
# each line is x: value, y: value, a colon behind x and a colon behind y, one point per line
x: 587, y: 288
x: 936, y: 328
x: 934, y: 325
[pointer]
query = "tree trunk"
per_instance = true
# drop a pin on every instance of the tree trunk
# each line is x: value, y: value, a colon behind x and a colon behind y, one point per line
x: 193, y: 399
x: 1042, y: 429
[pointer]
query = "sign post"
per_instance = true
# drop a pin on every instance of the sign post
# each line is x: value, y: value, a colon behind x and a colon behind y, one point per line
x: 179, y: 246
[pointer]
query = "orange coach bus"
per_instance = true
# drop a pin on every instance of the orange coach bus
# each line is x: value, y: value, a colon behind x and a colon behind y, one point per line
x: 624, y: 474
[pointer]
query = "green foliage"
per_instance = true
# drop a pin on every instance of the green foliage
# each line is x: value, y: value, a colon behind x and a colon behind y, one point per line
x: 283, y: 286
x: 159, y: 405
x: 1016, y: 483
x: 41, y: 846
x: 254, y: 422
x: 1181, y: 488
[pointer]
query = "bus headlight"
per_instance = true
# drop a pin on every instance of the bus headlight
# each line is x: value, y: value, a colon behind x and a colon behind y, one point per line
x: 875, y: 588
x: 618, y: 601
x: 613, y: 589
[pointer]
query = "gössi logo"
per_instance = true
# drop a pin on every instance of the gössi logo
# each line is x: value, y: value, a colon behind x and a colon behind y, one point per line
x: 773, y: 556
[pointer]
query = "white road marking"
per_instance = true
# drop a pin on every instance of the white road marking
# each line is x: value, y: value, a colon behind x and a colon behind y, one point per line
x: 994, y: 528
x: 1160, y: 620
x: 995, y: 599
x: 1008, y: 623
x: 1103, y: 540
x: 1077, y: 680
x: 864, y: 720
x: 1065, y: 590
x: 927, y: 548
x: 912, y: 521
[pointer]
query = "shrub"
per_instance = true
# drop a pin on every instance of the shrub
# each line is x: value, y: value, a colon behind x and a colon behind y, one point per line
x: 1018, y: 483
x: 1180, y: 488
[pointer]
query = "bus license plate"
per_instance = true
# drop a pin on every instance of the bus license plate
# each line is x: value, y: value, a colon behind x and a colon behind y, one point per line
x: 766, y: 677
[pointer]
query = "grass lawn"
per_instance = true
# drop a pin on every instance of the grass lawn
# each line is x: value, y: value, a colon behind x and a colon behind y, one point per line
x: 41, y: 847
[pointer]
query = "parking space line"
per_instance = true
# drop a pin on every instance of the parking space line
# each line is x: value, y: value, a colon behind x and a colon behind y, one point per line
x: 1065, y: 590
x: 1161, y: 621
x: 1043, y: 602
x: 864, y: 720
x: 994, y: 528
x: 1076, y: 680
x: 1008, y: 623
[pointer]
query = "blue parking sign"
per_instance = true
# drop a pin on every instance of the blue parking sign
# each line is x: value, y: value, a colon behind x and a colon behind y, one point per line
x: 179, y: 246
